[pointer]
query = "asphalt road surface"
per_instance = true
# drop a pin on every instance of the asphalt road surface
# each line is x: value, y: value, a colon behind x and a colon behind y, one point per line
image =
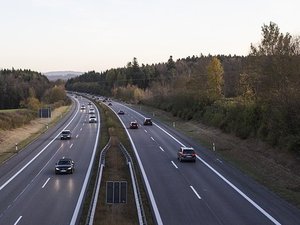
x: 31, y: 193
x: 206, y: 192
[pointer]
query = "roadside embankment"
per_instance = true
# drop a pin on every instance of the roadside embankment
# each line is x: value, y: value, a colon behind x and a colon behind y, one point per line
x: 13, y: 140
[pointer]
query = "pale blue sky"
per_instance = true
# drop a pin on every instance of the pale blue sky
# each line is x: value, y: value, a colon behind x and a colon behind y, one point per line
x: 84, y: 35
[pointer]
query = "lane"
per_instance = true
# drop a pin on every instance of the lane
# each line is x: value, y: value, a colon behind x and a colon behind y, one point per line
x: 208, y: 190
x: 36, y: 195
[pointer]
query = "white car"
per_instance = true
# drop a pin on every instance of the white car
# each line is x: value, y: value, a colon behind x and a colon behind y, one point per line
x: 91, y: 111
x: 92, y: 119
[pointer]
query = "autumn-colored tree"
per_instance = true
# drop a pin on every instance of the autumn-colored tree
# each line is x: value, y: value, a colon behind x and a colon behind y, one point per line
x: 33, y: 104
x: 215, y: 80
x: 55, y: 94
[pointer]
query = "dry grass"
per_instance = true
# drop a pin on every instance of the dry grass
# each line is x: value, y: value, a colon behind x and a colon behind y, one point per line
x: 23, y: 135
x: 115, y: 169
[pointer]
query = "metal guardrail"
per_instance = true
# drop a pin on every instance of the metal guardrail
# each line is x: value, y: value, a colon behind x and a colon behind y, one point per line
x: 92, y: 209
x: 137, y: 195
x: 136, y: 190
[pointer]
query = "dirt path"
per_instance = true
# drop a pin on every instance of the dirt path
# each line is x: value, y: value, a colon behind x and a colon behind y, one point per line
x: 23, y: 135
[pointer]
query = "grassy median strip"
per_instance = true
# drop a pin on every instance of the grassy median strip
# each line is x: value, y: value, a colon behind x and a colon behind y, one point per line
x: 115, y: 169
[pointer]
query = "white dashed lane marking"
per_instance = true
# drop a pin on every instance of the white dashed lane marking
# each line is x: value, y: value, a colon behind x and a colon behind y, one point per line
x: 161, y: 148
x: 174, y: 165
x: 196, y: 193
x: 46, y: 182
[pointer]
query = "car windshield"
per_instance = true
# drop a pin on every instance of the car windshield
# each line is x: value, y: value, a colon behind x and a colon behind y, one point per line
x: 64, y: 162
x: 188, y: 151
x: 65, y: 132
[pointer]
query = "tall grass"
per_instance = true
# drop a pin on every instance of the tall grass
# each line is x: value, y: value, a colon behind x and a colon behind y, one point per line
x: 10, y: 119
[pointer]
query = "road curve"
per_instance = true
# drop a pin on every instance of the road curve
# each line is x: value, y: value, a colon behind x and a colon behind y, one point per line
x: 30, y: 191
x: 206, y: 192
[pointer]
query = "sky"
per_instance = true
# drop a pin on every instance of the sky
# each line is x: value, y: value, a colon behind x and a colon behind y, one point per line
x: 85, y: 35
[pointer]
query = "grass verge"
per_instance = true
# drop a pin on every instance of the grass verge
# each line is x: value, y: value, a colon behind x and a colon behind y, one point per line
x: 276, y: 169
x: 26, y: 134
x: 115, y: 169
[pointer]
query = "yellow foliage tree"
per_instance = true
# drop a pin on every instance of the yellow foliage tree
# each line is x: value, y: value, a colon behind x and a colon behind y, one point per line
x: 33, y: 103
x: 215, y: 80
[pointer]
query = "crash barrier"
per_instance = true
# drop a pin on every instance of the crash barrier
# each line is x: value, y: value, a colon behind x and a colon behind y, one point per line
x: 137, y: 195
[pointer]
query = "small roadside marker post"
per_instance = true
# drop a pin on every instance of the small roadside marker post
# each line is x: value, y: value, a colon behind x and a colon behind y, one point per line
x: 214, y: 146
x: 16, y: 146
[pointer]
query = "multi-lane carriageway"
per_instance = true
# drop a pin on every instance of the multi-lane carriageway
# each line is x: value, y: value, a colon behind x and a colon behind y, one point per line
x: 206, y: 192
x: 31, y: 193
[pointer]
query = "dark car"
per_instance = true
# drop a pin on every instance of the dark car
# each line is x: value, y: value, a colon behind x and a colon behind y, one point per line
x: 148, y: 121
x: 64, y: 165
x: 121, y: 112
x: 186, y: 154
x: 110, y: 104
x: 65, y: 134
x: 133, y: 125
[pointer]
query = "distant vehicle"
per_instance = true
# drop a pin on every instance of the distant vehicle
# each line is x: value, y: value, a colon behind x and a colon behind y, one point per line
x: 65, y: 134
x: 148, y: 121
x: 121, y: 112
x: 186, y: 154
x: 64, y: 165
x: 92, y: 119
x: 82, y: 107
x: 133, y: 125
x: 89, y: 103
x: 110, y: 104
x: 91, y: 111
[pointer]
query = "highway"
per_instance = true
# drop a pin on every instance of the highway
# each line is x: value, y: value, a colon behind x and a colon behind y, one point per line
x: 30, y: 191
x: 209, y: 192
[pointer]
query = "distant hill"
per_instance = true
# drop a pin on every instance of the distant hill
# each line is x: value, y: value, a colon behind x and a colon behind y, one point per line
x: 63, y: 75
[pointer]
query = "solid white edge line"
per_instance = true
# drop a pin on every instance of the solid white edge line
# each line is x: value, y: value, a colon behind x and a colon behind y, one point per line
x: 91, y: 220
x: 218, y: 174
x: 46, y: 182
x: 37, y: 155
x: 18, y: 220
x: 240, y: 192
x: 174, y: 165
x: 196, y: 193
x: 136, y: 197
x: 149, y: 190
x: 85, y: 183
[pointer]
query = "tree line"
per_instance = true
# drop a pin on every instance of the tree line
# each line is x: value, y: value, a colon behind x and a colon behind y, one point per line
x: 29, y: 89
x: 257, y: 95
